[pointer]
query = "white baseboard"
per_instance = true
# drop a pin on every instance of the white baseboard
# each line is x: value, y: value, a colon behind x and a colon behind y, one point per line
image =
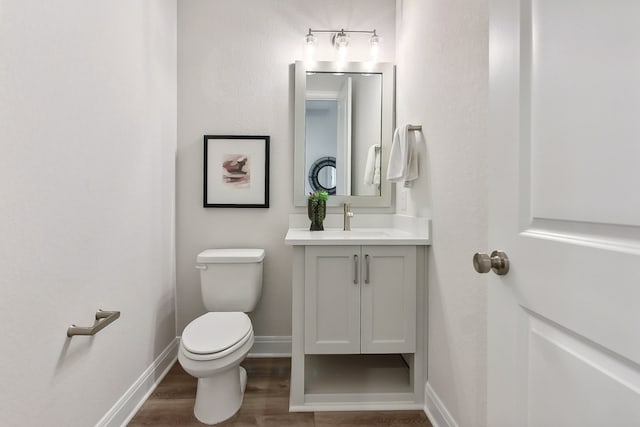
x: 271, y: 346
x: 435, y: 409
x: 127, y: 406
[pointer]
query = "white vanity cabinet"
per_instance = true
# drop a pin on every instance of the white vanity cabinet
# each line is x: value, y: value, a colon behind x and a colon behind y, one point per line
x: 360, y: 299
x: 358, y: 318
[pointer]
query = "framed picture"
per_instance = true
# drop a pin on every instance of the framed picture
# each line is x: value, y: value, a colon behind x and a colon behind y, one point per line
x: 236, y: 171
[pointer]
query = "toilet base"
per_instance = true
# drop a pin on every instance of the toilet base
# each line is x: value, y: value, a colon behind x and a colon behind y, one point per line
x: 219, y: 397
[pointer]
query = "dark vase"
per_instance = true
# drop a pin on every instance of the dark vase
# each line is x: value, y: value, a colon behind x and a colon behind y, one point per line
x: 317, y: 210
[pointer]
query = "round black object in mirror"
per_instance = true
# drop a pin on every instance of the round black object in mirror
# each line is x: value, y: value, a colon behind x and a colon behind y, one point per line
x: 322, y: 175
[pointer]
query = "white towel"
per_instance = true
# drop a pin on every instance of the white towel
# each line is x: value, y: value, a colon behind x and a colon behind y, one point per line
x: 377, y: 169
x: 403, y: 159
x: 372, y: 166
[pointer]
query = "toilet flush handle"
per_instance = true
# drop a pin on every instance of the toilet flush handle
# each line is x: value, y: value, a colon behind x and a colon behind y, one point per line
x: 201, y: 267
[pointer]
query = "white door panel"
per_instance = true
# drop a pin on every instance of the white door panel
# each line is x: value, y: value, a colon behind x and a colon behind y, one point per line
x: 564, y: 324
x: 569, y: 374
x: 580, y: 287
x: 582, y: 109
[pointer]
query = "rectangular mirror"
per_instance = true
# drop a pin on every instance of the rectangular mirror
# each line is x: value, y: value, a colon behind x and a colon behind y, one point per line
x: 343, y: 131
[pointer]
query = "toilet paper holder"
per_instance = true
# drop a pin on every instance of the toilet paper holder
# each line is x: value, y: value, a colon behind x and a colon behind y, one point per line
x: 103, y: 319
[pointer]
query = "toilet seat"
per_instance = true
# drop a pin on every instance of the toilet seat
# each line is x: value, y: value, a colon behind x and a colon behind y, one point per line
x: 215, y: 334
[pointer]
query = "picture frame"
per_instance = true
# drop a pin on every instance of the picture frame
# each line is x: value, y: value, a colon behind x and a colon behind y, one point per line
x: 236, y: 171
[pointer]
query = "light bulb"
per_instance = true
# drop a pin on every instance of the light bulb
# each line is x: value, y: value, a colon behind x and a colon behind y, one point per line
x: 311, y: 42
x: 374, y: 43
x: 341, y: 42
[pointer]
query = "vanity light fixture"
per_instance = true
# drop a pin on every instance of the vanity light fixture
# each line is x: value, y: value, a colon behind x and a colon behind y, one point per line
x: 340, y: 40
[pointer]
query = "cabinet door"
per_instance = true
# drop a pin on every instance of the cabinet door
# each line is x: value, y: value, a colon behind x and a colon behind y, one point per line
x: 388, y: 299
x: 332, y: 299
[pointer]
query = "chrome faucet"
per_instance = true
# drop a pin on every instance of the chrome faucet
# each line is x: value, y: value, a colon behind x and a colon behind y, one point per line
x: 347, y: 217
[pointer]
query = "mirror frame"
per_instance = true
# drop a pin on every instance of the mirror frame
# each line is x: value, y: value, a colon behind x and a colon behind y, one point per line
x: 388, y: 103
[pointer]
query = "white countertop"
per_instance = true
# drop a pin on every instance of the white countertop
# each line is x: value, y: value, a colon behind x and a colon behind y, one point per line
x: 357, y: 236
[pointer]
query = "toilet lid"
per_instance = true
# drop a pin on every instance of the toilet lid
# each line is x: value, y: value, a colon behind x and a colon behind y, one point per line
x: 215, y: 332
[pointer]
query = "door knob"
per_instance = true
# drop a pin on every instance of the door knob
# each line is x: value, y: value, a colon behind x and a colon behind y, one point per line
x: 498, y: 261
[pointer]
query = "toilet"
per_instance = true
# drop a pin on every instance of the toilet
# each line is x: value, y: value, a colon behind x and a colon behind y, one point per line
x: 213, y: 345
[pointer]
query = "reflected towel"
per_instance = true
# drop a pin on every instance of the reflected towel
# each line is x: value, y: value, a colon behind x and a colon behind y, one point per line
x: 372, y: 166
x: 403, y: 159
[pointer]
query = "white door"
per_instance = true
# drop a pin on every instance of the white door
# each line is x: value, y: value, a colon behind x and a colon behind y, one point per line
x: 388, y: 299
x: 564, y: 323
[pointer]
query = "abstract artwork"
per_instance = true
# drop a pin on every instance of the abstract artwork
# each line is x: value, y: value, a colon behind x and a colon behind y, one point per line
x: 236, y: 170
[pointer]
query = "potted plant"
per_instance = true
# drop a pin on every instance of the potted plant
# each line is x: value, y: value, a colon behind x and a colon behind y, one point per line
x: 317, y: 209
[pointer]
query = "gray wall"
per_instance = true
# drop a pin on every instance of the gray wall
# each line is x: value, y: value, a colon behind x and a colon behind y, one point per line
x: 235, y: 77
x: 88, y: 120
x: 443, y: 84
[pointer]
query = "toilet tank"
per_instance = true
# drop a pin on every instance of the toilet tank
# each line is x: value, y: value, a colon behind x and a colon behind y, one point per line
x: 231, y: 279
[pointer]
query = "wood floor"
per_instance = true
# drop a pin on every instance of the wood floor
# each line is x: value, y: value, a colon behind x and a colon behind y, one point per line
x: 266, y: 403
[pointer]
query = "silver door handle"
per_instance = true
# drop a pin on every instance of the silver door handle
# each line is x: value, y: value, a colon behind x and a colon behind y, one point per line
x: 366, y: 264
x: 498, y: 261
x: 355, y: 269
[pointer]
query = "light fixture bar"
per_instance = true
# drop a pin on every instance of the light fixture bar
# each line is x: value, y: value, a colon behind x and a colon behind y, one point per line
x: 340, y: 40
x: 342, y: 31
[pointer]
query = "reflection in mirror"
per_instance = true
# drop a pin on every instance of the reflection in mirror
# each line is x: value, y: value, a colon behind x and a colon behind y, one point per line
x: 322, y: 175
x: 343, y: 120
x: 344, y: 115
x: 321, y: 135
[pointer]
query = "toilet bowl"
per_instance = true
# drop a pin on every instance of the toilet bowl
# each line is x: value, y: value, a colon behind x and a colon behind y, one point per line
x: 211, y: 349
